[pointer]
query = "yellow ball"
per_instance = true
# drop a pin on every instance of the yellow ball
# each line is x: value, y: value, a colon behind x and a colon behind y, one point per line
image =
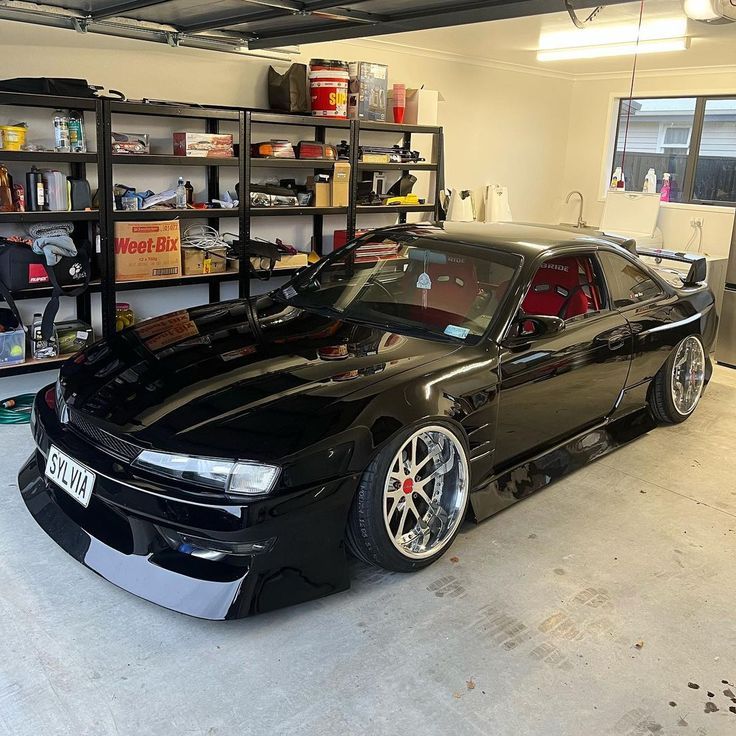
x: 16, y: 351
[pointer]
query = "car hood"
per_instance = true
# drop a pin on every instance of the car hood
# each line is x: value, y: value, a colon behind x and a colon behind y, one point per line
x: 203, y: 380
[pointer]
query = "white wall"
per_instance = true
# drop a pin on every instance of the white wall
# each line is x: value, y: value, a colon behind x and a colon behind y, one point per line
x: 592, y: 129
x: 501, y: 126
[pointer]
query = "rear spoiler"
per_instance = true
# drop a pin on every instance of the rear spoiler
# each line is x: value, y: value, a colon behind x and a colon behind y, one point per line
x: 698, y: 267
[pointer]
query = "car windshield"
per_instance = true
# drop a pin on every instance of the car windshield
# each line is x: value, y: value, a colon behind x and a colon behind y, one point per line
x: 409, y: 283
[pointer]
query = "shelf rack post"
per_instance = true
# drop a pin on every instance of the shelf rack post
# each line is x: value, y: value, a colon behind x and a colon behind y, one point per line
x: 245, y: 134
x: 354, y: 174
x: 440, y: 173
x: 212, y: 125
x: 106, y: 227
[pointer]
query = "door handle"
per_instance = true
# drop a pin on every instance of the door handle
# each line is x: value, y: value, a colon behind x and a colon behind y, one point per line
x: 616, y: 343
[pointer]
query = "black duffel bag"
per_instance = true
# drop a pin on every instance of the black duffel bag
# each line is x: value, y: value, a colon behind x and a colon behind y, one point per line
x: 64, y: 86
x: 49, y: 86
x: 22, y: 269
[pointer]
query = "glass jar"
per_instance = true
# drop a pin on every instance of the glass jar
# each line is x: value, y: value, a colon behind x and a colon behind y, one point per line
x: 124, y: 316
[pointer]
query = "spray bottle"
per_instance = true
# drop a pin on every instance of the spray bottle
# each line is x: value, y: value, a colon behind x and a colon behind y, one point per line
x: 666, y: 187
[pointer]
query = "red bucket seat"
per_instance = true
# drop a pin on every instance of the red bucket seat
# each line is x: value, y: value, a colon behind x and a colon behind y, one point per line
x: 556, y: 290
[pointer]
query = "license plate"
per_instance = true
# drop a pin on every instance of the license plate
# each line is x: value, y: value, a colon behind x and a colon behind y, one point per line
x: 70, y: 476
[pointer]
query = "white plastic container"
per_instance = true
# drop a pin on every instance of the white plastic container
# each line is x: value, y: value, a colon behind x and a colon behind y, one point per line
x: 56, y: 190
x: 650, y: 182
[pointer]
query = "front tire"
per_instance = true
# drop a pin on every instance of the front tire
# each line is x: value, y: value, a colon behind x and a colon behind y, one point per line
x: 679, y: 384
x: 411, y: 500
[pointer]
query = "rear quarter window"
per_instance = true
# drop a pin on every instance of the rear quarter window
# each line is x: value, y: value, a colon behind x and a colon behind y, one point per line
x: 628, y: 283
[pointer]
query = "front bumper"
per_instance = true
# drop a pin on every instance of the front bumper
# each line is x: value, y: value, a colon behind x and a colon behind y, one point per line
x: 271, y: 553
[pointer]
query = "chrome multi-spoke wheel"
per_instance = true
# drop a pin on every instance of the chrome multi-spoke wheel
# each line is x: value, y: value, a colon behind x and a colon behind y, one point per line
x: 688, y: 375
x: 679, y: 384
x: 425, y: 492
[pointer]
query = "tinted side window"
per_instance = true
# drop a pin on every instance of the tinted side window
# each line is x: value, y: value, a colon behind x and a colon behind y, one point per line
x: 628, y: 283
x: 565, y: 287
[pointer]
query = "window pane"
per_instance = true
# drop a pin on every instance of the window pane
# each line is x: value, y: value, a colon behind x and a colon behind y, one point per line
x: 410, y: 283
x: 715, y: 175
x: 628, y: 283
x: 658, y: 137
x: 564, y: 287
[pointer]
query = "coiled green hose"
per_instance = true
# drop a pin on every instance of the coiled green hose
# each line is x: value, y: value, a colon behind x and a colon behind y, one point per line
x: 16, y: 410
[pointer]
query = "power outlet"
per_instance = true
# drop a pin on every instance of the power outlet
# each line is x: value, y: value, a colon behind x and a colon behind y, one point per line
x: 696, y: 222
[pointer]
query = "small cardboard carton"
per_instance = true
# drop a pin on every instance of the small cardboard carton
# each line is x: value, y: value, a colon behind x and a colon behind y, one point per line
x: 147, y: 250
x: 322, y: 191
x: 198, y: 261
x: 341, y: 184
x: 421, y: 106
x: 211, y: 145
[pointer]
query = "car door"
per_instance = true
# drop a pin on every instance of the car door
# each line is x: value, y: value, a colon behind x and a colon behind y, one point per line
x: 558, y: 385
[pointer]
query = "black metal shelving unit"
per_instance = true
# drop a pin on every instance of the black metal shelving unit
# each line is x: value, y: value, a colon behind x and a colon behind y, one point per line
x: 247, y: 122
x: 85, y: 221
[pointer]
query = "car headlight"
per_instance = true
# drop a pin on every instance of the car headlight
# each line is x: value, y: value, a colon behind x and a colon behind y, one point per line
x: 236, y: 478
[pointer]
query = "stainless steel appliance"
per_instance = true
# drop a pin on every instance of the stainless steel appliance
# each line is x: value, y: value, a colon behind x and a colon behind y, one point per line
x: 726, y: 349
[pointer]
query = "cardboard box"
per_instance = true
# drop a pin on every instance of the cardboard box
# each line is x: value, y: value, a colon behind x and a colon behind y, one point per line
x: 341, y: 184
x: 321, y: 191
x: 367, y: 91
x: 147, y: 250
x: 421, y: 106
x: 212, y: 145
x: 197, y: 261
x: 321, y: 194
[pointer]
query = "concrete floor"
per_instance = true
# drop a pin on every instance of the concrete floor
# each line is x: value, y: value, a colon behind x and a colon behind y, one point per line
x: 602, y: 605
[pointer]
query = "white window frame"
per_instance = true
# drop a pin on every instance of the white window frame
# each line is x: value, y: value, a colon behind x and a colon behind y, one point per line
x: 662, y: 146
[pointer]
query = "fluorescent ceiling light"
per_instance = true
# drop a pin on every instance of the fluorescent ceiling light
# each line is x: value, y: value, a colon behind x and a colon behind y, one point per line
x: 701, y: 10
x: 615, y: 49
x: 595, y: 41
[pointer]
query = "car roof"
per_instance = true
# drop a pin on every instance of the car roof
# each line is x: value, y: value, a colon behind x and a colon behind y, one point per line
x: 526, y: 239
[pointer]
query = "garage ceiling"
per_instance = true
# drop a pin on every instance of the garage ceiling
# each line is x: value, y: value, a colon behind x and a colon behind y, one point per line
x: 265, y: 24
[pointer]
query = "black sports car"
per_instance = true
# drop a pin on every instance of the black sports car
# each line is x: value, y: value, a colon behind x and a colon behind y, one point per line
x: 221, y: 460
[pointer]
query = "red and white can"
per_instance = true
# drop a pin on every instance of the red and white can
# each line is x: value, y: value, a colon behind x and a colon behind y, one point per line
x: 328, y: 82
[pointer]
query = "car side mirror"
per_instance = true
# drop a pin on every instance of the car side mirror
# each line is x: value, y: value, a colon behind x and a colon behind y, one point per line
x: 532, y: 327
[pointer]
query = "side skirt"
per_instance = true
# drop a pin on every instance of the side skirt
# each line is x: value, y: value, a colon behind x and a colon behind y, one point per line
x: 528, y: 477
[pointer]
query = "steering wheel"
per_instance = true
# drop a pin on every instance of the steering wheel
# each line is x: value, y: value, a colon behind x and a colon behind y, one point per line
x: 375, y: 282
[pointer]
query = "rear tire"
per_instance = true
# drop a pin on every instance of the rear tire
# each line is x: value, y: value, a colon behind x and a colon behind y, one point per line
x: 411, y: 500
x: 679, y: 384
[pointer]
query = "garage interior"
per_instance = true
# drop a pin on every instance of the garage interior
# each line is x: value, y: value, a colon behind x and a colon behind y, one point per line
x: 594, y: 607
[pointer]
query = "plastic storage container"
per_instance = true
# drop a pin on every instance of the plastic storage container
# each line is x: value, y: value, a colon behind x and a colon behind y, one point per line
x: 13, y: 346
x: 13, y: 137
x: 328, y: 83
x: 124, y: 316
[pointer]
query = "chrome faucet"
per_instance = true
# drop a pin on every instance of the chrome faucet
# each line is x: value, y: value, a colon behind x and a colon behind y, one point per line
x: 581, y: 222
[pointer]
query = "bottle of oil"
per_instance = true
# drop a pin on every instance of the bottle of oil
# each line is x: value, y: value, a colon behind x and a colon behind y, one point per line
x: 77, y: 137
x: 35, y: 192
